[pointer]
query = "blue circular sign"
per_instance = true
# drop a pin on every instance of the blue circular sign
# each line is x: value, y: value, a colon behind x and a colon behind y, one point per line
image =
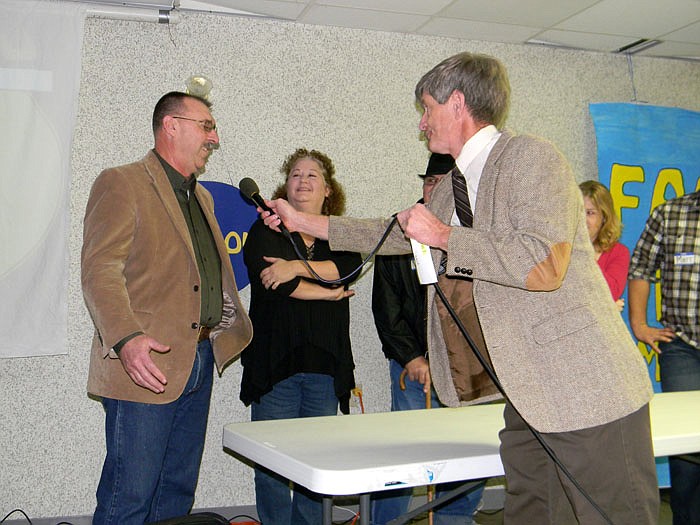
x: 235, y: 215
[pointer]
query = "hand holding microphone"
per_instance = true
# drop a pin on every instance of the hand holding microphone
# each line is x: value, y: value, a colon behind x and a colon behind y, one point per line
x: 419, y: 223
x: 250, y: 189
x: 282, y: 208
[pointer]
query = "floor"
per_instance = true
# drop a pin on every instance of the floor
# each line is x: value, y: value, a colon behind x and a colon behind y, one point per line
x: 485, y: 517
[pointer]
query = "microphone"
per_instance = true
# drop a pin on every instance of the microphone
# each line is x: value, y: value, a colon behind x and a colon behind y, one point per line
x: 250, y: 189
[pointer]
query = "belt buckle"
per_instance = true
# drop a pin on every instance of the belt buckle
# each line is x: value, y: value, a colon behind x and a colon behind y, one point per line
x: 203, y: 333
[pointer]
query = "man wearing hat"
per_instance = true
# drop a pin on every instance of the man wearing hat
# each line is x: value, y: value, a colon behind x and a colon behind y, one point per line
x: 399, y: 309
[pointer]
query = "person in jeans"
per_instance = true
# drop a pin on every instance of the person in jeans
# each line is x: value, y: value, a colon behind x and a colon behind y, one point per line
x: 159, y: 285
x: 670, y: 244
x: 521, y: 275
x: 399, y: 309
x: 299, y: 363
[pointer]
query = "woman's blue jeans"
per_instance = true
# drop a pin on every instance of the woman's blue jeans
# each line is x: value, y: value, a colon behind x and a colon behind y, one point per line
x: 391, y: 504
x: 154, y: 452
x: 302, y: 395
x: 680, y: 371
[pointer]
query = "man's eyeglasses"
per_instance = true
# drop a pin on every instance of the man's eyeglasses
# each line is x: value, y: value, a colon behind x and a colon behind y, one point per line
x: 207, y: 125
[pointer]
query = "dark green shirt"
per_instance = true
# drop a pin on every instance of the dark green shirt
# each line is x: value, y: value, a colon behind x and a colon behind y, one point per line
x: 205, y: 251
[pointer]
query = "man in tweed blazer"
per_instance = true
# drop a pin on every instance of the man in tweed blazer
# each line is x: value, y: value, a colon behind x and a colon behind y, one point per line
x: 550, y: 328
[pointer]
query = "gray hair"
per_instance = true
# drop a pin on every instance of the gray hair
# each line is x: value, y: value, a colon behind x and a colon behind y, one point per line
x: 482, y: 80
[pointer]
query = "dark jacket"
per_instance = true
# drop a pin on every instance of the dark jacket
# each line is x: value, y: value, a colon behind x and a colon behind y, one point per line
x: 398, y: 306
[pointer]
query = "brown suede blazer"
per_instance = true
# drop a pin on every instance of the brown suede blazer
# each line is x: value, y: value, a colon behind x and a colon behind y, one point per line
x: 554, y: 336
x: 139, y: 273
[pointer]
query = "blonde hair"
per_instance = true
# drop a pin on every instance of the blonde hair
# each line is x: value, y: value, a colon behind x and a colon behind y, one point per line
x: 611, y: 227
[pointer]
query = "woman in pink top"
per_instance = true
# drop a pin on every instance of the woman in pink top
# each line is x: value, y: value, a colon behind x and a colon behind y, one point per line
x: 604, y: 229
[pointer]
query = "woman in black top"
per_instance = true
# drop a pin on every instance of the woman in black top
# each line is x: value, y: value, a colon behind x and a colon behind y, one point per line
x: 299, y: 363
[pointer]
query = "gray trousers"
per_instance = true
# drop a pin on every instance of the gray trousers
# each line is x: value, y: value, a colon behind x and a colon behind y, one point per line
x: 614, y: 463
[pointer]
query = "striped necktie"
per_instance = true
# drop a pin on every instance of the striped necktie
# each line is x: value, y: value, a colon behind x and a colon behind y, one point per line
x: 459, y: 188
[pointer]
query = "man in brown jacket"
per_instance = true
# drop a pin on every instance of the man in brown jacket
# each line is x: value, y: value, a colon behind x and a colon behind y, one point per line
x: 521, y: 273
x: 160, y: 288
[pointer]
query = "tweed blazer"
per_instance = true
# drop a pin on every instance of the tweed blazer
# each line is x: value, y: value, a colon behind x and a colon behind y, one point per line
x: 139, y: 273
x: 556, y: 340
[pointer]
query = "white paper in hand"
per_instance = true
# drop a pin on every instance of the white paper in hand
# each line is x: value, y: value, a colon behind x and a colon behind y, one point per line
x: 424, y: 263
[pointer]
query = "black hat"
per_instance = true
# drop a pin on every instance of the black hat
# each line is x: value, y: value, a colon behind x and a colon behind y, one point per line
x: 439, y: 164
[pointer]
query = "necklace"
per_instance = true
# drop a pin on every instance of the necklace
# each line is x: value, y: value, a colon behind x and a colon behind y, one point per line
x: 310, y: 250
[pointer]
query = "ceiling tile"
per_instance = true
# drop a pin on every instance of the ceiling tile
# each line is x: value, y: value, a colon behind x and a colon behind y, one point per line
x: 275, y: 8
x: 362, y: 18
x: 674, y: 49
x: 643, y: 18
x: 477, y: 30
x: 579, y: 40
x: 418, y: 7
x: 158, y: 4
x: 535, y: 13
x: 690, y: 33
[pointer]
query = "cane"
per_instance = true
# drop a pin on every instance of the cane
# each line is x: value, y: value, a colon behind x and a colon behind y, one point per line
x: 428, y: 405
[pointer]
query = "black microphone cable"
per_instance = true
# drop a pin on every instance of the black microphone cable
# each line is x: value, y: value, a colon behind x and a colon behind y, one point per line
x: 492, y: 375
x: 250, y: 189
x: 356, y: 270
x: 254, y: 195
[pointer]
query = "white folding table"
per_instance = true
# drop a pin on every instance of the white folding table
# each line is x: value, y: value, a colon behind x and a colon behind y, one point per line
x: 365, y: 453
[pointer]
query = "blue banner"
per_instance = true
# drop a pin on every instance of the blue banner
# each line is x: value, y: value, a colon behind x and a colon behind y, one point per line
x: 646, y: 155
x: 235, y: 215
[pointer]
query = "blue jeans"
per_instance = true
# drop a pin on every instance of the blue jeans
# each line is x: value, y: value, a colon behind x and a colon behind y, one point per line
x: 390, y: 504
x: 154, y: 452
x: 680, y: 370
x: 302, y: 395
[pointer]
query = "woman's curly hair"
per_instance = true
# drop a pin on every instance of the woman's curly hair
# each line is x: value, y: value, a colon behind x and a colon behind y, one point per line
x: 334, y: 204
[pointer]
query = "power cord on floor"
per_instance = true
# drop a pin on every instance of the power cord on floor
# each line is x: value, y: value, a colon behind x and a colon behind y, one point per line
x: 249, y: 520
x: 12, y: 512
x: 29, y: 521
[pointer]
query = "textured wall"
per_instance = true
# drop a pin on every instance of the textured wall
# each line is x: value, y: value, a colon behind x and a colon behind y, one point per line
x: 278, y: 86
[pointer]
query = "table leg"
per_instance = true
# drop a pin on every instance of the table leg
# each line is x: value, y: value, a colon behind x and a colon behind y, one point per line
x: 364, y: 509
x: 427, y: 507
x: 327, y: 510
